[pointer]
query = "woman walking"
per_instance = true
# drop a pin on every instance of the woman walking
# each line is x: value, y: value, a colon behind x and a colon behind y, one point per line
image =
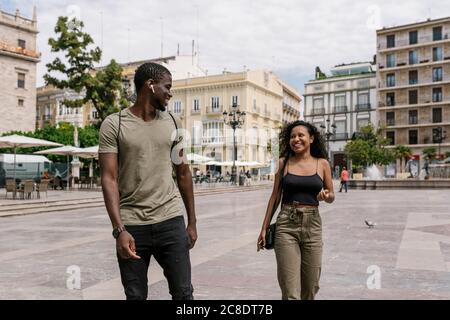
x: 303, y: 179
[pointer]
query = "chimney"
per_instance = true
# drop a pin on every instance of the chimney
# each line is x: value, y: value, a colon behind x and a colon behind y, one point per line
x: 178, y: 50
x: 193, y: 48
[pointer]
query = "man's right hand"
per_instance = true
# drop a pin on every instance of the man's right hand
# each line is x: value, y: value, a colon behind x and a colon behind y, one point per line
x: 126, y: 248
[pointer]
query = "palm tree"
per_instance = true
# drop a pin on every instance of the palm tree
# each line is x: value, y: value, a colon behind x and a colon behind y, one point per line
x: 429, y: 152
x: 402, y: 152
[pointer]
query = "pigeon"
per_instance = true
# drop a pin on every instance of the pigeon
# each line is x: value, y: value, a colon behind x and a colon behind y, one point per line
x: 370, y: 224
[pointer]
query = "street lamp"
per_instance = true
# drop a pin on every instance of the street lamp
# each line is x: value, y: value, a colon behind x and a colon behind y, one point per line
x: 328, y: 134
x: 235, y: 119
x: 438, y: 136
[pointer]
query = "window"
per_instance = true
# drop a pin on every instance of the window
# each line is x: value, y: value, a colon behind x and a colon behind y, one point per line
x: 437, y: 94
x: 413, y: 77
x: 390, y: 118
x: 177, y: 107
x: 412, y: 97
x: 437, y: 74
x: 196, y: 106
x: 20, y: 103
x: 21, y: 80
x: 413, y: 37
x: 234, y: 101
x: 215, y: 103
x: 363, y: 101
x: 412, y: 116
x: 412, y: 57
x: 361, y: 123
x: 390, y: 99
x: 437, y: 33
x: 412, y: 136
x: 318, y: 106
x: 213, y: 132
x: 390, y: 135
x: 339, y: 103
x: 340, y: 130
x: 21, y: 43
x: 390, y: 80
x: 390, y: 60
x: 437, y: 54
x: 390, y: 41
x: 437, y: 115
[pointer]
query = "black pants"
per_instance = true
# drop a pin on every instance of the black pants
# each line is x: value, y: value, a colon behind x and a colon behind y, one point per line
x: 168, y: 242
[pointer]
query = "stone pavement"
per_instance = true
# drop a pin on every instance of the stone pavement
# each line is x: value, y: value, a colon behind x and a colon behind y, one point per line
x: 410, y: 246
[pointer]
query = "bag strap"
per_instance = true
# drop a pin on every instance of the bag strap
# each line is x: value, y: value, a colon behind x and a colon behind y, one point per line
x: 117, y: 137
x: 176, y: 130
x: 280, y: 188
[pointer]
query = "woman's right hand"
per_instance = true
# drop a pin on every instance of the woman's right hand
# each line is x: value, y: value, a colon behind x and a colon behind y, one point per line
x: 261, y: 240
x: 126, y: 248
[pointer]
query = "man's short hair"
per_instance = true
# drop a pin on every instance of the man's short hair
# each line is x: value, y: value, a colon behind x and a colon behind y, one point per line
x: 146, y: 71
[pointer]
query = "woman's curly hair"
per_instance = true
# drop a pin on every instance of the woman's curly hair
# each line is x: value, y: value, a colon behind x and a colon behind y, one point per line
x: 317, y: 148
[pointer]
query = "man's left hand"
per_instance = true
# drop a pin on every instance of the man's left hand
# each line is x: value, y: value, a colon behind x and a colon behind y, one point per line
x: 192, y: 234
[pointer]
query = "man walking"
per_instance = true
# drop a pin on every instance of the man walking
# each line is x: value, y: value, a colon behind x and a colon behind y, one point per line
x: 344, y: 179
x: 137, y: 155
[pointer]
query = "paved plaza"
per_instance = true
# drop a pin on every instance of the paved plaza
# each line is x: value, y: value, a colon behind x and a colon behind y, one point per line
x: 409, y: 246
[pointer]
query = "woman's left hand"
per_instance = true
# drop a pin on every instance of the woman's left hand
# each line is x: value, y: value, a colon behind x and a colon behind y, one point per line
x: 324, y: 195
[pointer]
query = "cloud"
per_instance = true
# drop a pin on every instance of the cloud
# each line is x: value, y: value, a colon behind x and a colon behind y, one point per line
x: 291, y: 37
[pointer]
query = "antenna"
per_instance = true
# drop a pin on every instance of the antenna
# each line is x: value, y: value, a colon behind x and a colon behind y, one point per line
x: 101, y: 36
x: 128, y: 45
x: 162, y: 36
x: 197, y: 35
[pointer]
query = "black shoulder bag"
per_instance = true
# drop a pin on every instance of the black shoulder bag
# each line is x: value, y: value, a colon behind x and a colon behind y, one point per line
x: 270, y: 232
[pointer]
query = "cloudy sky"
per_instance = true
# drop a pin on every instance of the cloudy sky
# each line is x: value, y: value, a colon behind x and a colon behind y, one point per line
x: 290, y: 37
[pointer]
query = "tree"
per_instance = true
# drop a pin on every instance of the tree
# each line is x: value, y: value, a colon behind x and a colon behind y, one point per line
x: 402, y: 152
x: 73, y: 43
x: 105, y: 90
x: 368, y: 147
x: 429, y: 152
x: 102, y: 89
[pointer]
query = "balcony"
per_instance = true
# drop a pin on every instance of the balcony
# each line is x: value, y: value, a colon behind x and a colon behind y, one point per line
x: 363, y: 106
x: 390, y: 122
x: 340, y: 136
x: 316, y: 111
x: 340, y: 109
x: 47, y: 117
x: 213, y: 140
x: 179, y: 113
x: 214, y: 109
x: 403, y: 44
x: 194, y: 112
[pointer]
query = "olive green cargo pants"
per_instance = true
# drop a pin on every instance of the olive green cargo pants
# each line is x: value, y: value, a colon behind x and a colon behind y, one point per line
x: 298, y: 251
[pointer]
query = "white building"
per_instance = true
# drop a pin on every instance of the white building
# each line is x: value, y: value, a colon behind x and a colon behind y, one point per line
x: 341, y: 104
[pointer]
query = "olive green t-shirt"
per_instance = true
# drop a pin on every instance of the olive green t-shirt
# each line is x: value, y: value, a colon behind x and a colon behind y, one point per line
x: 148, y: 193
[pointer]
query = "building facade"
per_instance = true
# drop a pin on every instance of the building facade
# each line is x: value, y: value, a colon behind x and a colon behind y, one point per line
x: 51, y: 110
x: 413, y: 80
x: 200, y: 103
x: 291, y: 103
x: 18, y: 59
x: 340, y: 104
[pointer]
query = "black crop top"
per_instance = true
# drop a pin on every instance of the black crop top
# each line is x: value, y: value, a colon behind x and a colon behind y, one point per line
x: 303, y: 189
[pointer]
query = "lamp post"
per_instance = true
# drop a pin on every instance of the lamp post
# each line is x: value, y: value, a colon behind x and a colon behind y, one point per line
x: 328, y: 134
x: 235, y: 119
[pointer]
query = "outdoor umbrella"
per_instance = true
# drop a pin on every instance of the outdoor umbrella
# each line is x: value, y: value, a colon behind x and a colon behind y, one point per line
x: 16, y: 141
x: 197, y: 158
x: 62, y: 151
x: 90, y: 152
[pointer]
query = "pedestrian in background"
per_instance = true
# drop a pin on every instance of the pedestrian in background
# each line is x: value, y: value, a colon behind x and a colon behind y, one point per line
x: 344, y: 179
